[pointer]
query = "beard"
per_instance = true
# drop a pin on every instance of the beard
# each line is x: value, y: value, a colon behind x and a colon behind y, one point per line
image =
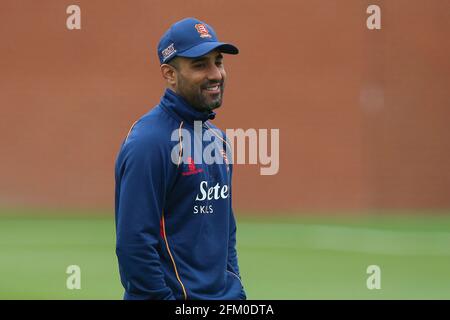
x: 198, y: 97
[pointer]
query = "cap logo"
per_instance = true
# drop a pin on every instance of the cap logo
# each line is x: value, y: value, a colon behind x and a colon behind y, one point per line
x: 167, y: 52
x: 202, y: 30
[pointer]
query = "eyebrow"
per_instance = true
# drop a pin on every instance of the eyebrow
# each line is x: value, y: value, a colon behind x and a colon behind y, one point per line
x: 219, y: 56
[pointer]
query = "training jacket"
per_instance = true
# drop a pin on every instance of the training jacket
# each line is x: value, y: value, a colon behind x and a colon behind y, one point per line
x: 175, y: 227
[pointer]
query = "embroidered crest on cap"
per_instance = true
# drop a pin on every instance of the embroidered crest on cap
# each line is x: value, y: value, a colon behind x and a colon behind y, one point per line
x: 202, y: 30
x: 167, y: 52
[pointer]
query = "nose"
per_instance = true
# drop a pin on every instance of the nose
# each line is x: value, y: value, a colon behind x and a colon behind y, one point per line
x: 215, y: 73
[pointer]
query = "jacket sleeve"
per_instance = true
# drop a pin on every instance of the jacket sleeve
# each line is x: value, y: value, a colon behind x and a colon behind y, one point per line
x: 233, y: 265
x: 142, y: 173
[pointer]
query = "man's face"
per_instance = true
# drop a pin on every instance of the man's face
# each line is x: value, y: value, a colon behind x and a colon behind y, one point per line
x: 201, y: 81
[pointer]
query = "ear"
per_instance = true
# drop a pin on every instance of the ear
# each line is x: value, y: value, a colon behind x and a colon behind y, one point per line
x: 169, y: 73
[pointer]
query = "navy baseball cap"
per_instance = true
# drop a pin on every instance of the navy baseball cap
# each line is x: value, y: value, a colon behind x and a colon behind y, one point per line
x: 190, y: 38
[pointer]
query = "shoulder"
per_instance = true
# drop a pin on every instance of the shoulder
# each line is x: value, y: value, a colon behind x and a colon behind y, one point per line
x: 216, y: 130
x: 213, y: 126
x: 156, y: 126
x: 219, y: 132
x: 150, y: 135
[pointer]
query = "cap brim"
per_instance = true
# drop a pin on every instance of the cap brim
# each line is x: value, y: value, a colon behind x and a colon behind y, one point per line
x: 206, y: 47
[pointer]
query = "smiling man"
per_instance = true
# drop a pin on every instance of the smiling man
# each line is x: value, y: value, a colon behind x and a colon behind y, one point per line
x: 175, y: 227
x: 187, y: 77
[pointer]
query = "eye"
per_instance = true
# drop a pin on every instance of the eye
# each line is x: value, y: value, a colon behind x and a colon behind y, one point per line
x: 219, y: 63
x: 199, y: 65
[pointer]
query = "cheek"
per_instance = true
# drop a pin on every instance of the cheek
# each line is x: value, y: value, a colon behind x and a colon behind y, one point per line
x: 194, y: 84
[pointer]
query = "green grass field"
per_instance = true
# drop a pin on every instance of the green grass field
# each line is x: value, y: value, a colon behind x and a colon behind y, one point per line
x: 300, y: 257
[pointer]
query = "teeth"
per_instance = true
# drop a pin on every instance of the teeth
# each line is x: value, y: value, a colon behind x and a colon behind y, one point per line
x: 213, y: 88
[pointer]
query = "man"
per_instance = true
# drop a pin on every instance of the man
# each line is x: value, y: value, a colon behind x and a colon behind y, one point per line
x: 175, y: 228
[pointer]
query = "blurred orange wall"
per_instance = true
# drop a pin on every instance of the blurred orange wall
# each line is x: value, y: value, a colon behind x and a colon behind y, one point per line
x: 363, y: 114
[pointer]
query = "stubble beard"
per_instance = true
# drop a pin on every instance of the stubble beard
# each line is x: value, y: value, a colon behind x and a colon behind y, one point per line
x: 195, y: 96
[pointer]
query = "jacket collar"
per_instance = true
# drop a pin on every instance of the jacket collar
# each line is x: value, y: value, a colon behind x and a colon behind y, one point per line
x: 172, y: 102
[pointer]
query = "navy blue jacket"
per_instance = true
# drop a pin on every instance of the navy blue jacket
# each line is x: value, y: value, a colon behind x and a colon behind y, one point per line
x: 175, y: 227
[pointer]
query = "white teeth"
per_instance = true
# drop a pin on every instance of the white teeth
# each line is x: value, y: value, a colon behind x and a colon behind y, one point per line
x: 213, y: 88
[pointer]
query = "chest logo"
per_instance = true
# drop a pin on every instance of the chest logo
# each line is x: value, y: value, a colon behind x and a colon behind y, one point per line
x: 192, y: 169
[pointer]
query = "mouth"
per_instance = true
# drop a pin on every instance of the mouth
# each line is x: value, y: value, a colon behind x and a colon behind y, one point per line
x: 213, y: 89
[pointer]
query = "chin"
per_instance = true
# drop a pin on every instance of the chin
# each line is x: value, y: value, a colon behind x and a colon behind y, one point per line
x: 215, y: 105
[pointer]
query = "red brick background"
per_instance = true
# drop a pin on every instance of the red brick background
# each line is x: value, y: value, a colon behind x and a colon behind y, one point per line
x: 363, y: 115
